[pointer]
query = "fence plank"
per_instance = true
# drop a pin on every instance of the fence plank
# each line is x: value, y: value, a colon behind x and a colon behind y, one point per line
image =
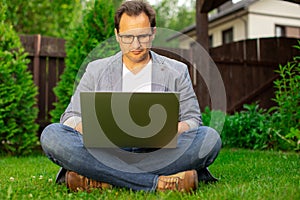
x: 36, y: 59
x: 52, y: 81
x: 53, y: 47
x: 43, y: 89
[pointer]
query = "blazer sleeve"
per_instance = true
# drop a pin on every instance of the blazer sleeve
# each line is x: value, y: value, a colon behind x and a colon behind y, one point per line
x: 189, y: 106
x: 73, y: 110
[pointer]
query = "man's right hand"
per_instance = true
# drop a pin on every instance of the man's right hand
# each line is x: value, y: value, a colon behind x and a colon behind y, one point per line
x: 78, y: 127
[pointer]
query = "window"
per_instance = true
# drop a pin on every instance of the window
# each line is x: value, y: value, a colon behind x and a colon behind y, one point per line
x: 210, y: 41
x: 279, y: 31
x: 287, y: 31
x: 293, y: 32
x: 227, y: 36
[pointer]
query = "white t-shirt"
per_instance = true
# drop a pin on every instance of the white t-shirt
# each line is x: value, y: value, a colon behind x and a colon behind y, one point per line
x: 140, y: 82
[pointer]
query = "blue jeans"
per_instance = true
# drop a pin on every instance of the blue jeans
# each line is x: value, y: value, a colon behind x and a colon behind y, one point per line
x: 196, y: 149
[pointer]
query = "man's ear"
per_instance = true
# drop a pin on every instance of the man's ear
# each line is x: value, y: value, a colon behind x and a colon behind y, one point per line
x: 153, y: 32
x: 116, y: 34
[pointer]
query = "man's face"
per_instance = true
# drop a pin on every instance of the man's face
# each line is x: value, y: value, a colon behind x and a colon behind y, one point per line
x: 135, y: 37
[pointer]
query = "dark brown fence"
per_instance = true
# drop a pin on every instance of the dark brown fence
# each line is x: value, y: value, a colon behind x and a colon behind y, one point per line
x: 246, y: 67
x: 47, y: 63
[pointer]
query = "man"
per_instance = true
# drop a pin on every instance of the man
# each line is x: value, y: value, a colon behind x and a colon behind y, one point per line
x: 135, y: 68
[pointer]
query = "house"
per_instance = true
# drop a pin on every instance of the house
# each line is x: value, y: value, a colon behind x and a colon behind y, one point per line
x: 247, y: 19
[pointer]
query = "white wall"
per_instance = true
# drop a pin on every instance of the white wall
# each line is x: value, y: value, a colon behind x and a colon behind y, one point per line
x: 237, y: 22
x: 264, y: 15
x: 276, y: 7
x: 185, y: 43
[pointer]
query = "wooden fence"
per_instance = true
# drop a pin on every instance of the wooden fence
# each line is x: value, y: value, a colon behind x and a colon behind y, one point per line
x: 47, y: 64
x: 246, y: 67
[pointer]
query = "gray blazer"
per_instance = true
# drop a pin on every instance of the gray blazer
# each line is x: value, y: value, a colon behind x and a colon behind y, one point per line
x: 167, y: 75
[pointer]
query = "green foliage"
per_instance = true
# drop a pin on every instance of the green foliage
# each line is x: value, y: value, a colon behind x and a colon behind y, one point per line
x: 117, y: 3
x: 17, y: 94
x: 51, y: 18
x: 249, y: 128
x: 172, y: 16
x: 286, y: 120
x: 215, y: 119
x: 93, y: 35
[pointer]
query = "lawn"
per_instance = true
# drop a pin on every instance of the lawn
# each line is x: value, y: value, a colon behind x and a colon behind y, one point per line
x: 244, y: 174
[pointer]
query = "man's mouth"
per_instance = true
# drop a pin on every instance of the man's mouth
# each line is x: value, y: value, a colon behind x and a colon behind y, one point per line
x: 136, y: 52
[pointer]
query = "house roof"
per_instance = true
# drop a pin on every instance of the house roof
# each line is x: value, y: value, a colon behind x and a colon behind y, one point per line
x: 223, y: 12
x: 232, y: 9
x: 209, y: 5
x: 294, y: 1
x: 212, y: 4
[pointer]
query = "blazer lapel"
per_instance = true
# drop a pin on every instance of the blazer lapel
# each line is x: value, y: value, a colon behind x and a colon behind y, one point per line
x: 115, y: 73
x: 158, y: 74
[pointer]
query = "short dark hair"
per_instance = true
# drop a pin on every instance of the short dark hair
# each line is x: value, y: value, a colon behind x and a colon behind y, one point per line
x: 135, y: 8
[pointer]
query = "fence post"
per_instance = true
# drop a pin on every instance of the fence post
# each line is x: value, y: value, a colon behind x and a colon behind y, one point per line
x: 36, y: 59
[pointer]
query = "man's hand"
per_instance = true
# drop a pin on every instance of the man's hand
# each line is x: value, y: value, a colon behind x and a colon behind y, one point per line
x: 182, y: 127
x: 78, y: 127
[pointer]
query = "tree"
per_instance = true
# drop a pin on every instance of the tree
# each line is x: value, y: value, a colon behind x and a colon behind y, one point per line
x: 51, y: 18
x: 18, y: 110
x: 96, y: 27
x: 172, y: 16
x: 117, y: 3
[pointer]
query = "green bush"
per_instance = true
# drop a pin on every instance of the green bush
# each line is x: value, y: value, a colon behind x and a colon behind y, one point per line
x: 248, y: 128
x: 18, y: 111
x: 215, y: 119
x: 48, y: 18
x: 96, y: 27
x: 253, y: 128
x: 286, y: 115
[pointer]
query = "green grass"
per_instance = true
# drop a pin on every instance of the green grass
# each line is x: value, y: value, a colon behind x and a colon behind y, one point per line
x: 244, y: 174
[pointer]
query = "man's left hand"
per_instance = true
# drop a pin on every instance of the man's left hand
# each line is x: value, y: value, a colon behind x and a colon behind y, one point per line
x: 182, y: 127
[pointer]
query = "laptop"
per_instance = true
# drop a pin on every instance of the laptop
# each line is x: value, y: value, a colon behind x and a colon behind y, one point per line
x: 123, y: 119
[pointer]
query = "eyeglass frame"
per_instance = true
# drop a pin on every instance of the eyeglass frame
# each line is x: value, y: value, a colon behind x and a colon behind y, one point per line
x: 135, y: 36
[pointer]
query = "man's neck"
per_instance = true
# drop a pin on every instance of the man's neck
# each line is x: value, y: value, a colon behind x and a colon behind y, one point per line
x: 135, y: 67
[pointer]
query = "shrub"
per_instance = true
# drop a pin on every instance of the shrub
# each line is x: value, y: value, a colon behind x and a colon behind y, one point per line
x: 215, y: 119
x: 51, y: 18
x: 97, y: 26
x: 249, y: 128
x: 18, y: 109
x: 286, y: 115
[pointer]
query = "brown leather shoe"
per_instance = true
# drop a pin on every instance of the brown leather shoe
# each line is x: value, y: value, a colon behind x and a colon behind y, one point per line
x: 76, y: 182
x: 184, y: 182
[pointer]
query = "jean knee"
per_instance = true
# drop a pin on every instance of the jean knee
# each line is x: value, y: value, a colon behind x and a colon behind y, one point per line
x: 211, y: 143
x: 216, y: 136
x: 49, y: 135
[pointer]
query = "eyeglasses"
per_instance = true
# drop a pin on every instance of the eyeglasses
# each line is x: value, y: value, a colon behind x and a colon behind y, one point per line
x: 128, y: 39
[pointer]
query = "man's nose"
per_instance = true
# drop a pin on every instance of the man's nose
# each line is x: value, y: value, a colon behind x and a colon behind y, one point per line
x: 136, y: 44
